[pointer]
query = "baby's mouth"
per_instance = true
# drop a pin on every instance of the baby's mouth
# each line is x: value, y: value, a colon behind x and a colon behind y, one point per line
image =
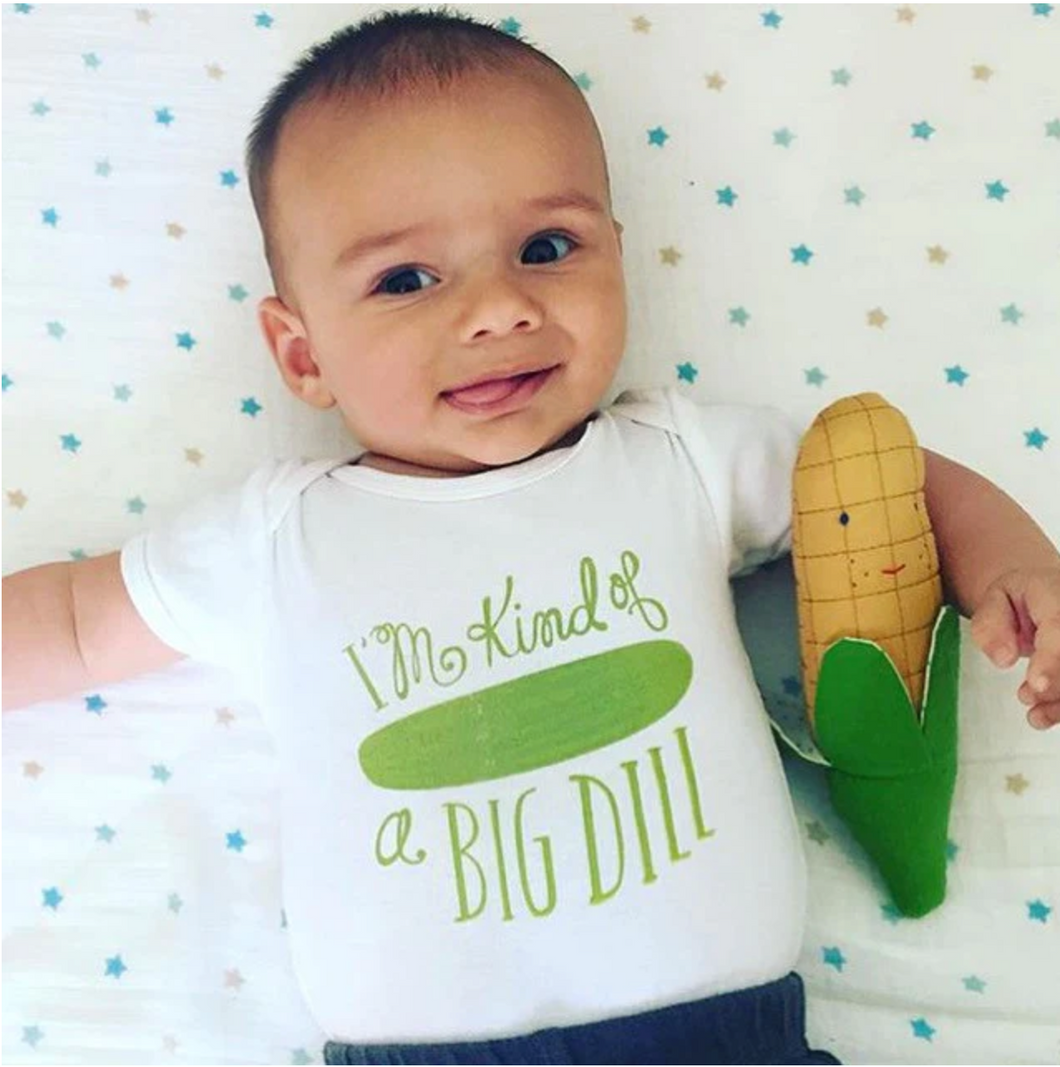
x: 495, y: 392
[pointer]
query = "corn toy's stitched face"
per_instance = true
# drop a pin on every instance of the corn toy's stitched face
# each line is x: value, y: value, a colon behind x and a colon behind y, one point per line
x: 455, y: 268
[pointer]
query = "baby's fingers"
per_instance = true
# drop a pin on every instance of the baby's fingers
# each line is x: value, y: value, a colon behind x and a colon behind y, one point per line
x: 1042, y: 716
x: 997, y: 629
x: 1043, y: 671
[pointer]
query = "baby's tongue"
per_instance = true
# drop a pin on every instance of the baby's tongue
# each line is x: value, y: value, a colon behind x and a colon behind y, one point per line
x: 488, y: 392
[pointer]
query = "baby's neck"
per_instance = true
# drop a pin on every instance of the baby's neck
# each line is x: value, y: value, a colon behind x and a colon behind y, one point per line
x: 396, y: 465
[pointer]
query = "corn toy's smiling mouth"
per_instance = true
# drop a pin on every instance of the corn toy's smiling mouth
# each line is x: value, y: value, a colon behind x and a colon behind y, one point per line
x: 893, y: 571
x: 498, y: 395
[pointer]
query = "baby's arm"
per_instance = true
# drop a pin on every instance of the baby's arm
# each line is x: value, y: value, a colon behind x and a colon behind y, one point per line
x: 71, y: 626
x: 1004, y: 574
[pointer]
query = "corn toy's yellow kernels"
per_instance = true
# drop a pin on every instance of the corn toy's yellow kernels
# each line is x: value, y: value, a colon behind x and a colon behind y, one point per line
x: 864, y: 555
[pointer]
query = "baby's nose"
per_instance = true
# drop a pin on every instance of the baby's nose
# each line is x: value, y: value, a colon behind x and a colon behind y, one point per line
x: 499, y: 304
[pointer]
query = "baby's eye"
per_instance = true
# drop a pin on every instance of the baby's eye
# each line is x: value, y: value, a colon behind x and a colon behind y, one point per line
x: 547, y: 248
x: 405, y: 280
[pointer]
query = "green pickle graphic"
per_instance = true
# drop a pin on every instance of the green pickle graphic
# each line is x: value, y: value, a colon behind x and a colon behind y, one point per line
x: 530, y: 722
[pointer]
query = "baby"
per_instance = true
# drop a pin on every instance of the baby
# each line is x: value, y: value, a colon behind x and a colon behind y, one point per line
x: 532, y: 808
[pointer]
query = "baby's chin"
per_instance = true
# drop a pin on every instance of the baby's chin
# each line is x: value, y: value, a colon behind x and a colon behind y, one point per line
x: 488, y: 455
x: 483, y: 452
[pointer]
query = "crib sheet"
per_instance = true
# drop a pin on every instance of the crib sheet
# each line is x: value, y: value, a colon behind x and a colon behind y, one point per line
x: 817, y: 200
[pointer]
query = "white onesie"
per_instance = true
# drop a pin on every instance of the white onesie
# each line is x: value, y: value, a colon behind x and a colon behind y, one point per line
x: 527, y: 777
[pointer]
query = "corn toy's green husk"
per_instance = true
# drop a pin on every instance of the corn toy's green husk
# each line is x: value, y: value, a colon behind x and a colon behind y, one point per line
x: 893, y: 771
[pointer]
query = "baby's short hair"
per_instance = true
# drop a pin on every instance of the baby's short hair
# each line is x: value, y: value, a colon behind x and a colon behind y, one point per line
x: 387, y: 55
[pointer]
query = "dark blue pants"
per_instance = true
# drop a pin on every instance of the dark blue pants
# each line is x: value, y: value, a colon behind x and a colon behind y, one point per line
x: 765, y: 1024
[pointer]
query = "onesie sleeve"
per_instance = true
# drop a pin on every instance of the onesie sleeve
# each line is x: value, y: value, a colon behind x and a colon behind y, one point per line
x: 745, y: 457
x: 200, y: 580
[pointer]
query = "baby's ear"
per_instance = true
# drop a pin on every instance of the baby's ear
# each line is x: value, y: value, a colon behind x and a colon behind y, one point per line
x: 288, y: 342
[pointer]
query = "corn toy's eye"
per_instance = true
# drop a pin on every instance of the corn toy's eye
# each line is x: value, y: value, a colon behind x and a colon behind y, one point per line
x: 548, y: 248
x: 405, y: 280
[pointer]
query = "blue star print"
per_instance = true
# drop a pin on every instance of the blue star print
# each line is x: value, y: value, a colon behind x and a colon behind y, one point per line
x: 974, y: 984
x: 264, y: 20
x: 56, y: 330
x: 772, y: 19
x: 738, y: 316
x: 31, y: 1034
x: 103, y: 168
x: 726, y: 196
x: 70, y: 442
x: 686, y: 372
x: 92, y: 61
x: 815, y: 376
x: 115, y: 967
x: 995, y: 191
x: 783, y: 137
x: 1042, y: 9
x: 175, y: 903
x: 50, y: 217
x: 105, y: 833
x: 922, y: 1028
x: 39, y: 107
x: 95, y: 704
x: 7, y: 382
x: 658, y: 136
x: 1035, y: 438
x: 229, y: 179
x: 52, y: 898
x: 185, y: 340
x: 833, y: 958
x: 1038, y: 910
x: 251, y: 407
x: 952, y: 848
x: 510, y: 26
x: 237, y: 293
x: 923, y: 130
x: 163, y: 116
x: 956, y: 374
x: 841, y: 76
x: 801, y: 255
x: 853, y: 195
x: 122, y: 392
x: 23, y: 9
x: 235, y: 841
x: 299, y: 1055
x: 1011, y: 313
x: 891, y: 914
x: 160, y: 773
x: 584, y: 82
x: 135, y: 505
x: 1052, y: 129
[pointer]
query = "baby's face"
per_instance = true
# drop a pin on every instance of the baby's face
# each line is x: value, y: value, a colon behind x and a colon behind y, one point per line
x: 454, y: 270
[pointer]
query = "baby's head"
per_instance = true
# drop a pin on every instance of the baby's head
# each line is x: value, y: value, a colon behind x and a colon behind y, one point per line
x: 436, y: 209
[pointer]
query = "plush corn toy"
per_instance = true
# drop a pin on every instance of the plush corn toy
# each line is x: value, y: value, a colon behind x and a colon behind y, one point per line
x: 880, y: 652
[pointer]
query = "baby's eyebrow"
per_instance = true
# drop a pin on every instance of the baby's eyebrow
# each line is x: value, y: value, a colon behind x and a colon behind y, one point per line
x: 376, y: 242
x: 572, y: 199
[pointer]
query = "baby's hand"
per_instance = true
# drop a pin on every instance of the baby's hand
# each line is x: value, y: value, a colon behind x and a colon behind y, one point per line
x: 1020, y: 616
